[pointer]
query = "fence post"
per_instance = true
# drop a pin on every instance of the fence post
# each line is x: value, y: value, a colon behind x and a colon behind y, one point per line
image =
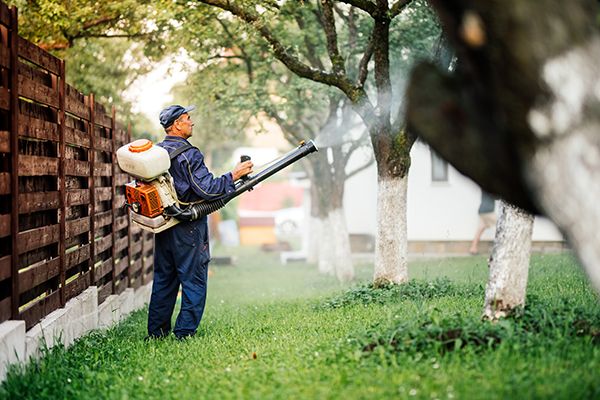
x: 114, y: 200
x: 129, y: 255
x: 14, y: 150
x: 61, y: 188
x: 91, y: 184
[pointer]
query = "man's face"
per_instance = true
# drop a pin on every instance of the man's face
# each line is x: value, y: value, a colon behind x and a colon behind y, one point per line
x: 184, y: 125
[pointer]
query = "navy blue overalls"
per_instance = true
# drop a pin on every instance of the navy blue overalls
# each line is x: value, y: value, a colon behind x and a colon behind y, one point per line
x: 181, y: 253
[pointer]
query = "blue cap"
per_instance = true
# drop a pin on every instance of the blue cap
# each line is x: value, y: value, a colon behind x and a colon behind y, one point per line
x: 171, y: 113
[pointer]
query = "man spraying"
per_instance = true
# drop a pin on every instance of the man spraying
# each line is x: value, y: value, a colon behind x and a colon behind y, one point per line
x: 181, y: 253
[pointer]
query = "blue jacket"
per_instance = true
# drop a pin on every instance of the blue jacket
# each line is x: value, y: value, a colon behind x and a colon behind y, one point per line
x: 193, y: 181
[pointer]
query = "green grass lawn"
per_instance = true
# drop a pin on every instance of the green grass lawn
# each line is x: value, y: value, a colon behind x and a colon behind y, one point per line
x: 271, y: 331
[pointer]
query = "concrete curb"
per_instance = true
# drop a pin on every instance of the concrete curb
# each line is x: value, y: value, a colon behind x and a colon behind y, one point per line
x: 80, y: 315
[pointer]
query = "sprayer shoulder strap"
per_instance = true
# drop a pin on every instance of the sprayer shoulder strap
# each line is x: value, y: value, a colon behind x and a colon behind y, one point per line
x: 180, y: 150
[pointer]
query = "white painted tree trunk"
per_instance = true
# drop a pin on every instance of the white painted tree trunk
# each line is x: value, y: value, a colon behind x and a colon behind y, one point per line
x: 342, y: 261
x: 565, y: 169
x: 315, y: 228
x: 391, y: 243
x: 326, y: 249
x: 509, y: 262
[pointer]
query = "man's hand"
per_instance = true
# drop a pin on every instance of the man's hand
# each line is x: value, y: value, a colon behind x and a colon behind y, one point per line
x: 243, y: 168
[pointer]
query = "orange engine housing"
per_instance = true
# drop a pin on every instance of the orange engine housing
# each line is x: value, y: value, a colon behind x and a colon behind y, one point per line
x: 144, y: 199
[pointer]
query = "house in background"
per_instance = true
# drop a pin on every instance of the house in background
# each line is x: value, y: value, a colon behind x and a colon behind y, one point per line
x: 442, y: 208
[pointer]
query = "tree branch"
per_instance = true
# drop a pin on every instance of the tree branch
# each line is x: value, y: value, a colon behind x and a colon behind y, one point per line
x: 366, y: 5
x: 99, y: 21
x: 356, y: 94
x: 363, y: 66
x: 331, y: 34
x: 398, y: 7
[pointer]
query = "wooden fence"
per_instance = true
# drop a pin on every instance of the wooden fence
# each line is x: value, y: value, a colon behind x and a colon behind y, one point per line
x: 62, y: 224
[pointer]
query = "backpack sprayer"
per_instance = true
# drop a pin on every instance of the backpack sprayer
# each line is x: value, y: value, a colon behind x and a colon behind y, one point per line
x: 152, y: 197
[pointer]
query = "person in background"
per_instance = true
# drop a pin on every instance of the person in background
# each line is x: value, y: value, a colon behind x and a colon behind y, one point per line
x: 487, y: 219
x: 181, y: 253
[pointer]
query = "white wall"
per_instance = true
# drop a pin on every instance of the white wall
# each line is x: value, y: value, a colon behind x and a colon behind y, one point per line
x: 436, y: 210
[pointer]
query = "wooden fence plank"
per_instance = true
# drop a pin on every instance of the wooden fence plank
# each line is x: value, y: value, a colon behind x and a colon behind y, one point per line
x: 136, y: 266
x: 121, y: 265
x: 104, y: 292
x: 147, y: 277
x: 104, y: 269
x: 122, y: 285
x: 38, y: 237
x: 34, y: 313
x: 4, y: 142
x: 4, y: 225
x: 4, y: 15
x: 102, y: 169
x: 77, y: 227
x: 77, y: 137
x: 103, y: 219
x: 28, y: 88
x: 121, y: 136
x: 4, y: 267
x: 103, y: 120
x: 136, y: 248
x: 38, y: 56
x: 122, y: 179
x: 37, y: 166
x: 76, y: 286
x: 104, y: 244
x: 4, y: 183
x: 37, y: 128
x: 77, y: 167
x: 5, y: 309
x: 38, y: 274
x: 75, y: 103
x: 121, y: 222
x: 76, y: 197
x: 4, y: 98
x: 135, y: 282
x: 4, y: 57
x: 103, y: 193
x: 103, y: 144
x: 38, y: 201
x: 77, y: 256
x: 121, y: 244
x: 14, y: 162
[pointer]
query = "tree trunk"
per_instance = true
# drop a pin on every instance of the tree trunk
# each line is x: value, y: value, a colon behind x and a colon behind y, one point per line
x: 391, y: 243
x: 326, y: 251
x: 330, y: 240
x: 509, y: 262
x: 314, y: 227
x: 342, y: 261
x: 520, y: 116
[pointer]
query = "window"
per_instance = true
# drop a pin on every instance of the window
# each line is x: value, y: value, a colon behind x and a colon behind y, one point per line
x: 439, y: 168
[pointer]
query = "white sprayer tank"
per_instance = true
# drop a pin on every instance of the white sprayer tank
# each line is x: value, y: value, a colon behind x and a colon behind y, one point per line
x: 143, y: 160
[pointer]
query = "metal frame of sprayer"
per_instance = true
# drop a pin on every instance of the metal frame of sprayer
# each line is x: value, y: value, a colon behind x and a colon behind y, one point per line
x: 173, y: 213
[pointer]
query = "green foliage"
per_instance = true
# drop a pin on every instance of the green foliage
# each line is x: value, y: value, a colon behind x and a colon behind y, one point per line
x: 265, y: 335
x: 440, y: 333
x: 416, y: 290
x: 56, y: 25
